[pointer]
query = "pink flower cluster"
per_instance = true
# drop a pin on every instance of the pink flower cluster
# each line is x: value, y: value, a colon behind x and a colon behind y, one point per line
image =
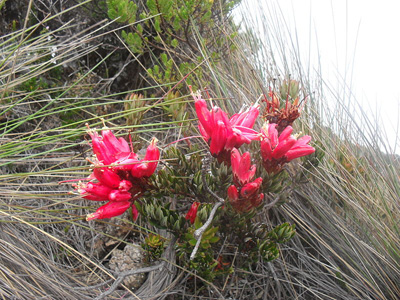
x: 223, y: 133
x: 244, y: 194
x: 278, y: 150
x: 118, y: 177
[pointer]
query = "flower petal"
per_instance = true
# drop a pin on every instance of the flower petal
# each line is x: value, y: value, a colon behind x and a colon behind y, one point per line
x: 109, y: 210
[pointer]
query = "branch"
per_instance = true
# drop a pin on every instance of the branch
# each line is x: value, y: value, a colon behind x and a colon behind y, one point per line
x: 272, y: 204
x: 199, y: 232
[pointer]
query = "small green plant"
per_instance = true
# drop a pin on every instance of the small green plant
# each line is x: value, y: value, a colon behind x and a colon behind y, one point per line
x: 154, y: 246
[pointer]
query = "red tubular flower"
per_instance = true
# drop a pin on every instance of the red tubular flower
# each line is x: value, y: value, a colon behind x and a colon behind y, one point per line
x: 148, y: 165
x: 276, y: 151
x: 242, y: 169
x: 249, y: 190
x: 109, y: 210
x: 102, y: 153
x: 244, y: 195
x: 135, y: 212
x: 218, y: 138
x: 233, y: 193
x: 106, y: 176
x: 192, y: 213
x: 222, y: 133
x: 117, y: 195
x: 246, y: 119
x: 94, y: 191
x: 204, y: 115
x: 300, y: 148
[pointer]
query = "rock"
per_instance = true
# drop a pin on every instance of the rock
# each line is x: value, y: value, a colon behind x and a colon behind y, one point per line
x: 130, y: 258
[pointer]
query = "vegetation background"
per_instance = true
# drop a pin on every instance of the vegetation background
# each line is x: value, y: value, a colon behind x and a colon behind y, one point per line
x: 70, y: 62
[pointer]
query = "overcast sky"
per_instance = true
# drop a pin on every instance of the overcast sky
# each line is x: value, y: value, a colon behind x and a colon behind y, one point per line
x: 359, y: 39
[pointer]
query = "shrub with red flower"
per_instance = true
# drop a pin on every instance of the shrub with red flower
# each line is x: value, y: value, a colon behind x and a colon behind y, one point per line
x: 244, y: 194
x: 223, y: 133
x: 118, y: 177
x: 278, y: 150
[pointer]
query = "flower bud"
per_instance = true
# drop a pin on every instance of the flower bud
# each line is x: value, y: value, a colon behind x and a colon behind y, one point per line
x: 125, y: 185
x: 135, y: 212
x: 251, y: 189
x: 192, y: 213
x: 242, y: 170
x: 148, y: 165
x: 233, y: 193
x: 98, y: 189
x: 117, y: 195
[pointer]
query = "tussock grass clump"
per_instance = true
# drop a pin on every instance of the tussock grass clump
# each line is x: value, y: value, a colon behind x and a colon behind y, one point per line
x: 346, y: 214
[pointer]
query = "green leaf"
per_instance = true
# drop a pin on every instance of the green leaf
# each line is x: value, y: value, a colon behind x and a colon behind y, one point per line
x: 214, y: 239
x: 164, y: 58
x: 197, y: 222
x: 192, y: 242
x: 156, y: 70
x: 157, y: 24
x: 174, y: 43
x: 158, y: 213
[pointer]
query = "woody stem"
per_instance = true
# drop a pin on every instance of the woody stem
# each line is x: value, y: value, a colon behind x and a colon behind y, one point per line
x: 199, y: 232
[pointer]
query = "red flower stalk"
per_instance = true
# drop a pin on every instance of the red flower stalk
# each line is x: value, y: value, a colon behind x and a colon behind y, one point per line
x: 276, y: 150
x: 121, y: 177
x: 244, y: 195
x: 224, y: 134
x: 192, y: 213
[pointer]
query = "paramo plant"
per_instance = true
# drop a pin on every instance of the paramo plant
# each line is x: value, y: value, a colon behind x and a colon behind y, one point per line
x: 202, y: 197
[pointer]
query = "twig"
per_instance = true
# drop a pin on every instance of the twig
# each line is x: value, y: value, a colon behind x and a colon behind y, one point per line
x: 271, y: 204
x: 199, y: 232
x: 91, y: 287
x: 122, y: 276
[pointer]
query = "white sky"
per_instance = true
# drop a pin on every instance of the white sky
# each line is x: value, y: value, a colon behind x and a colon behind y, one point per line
x: 356, y: 39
